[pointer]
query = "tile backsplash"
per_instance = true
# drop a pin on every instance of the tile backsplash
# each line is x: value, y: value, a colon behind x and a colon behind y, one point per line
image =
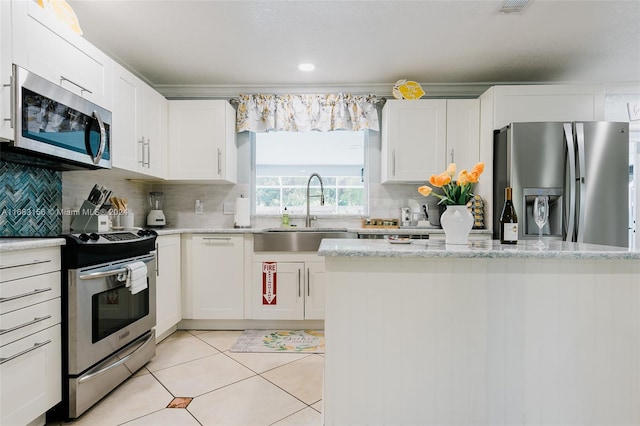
x: 30, y: 201
x: 50, y: 197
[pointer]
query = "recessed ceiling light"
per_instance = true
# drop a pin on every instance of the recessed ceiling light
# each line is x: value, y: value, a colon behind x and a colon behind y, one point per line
x: 306, y: 67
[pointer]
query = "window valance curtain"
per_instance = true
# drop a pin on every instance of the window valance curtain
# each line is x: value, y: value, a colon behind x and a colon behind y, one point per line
x: 301, y: 113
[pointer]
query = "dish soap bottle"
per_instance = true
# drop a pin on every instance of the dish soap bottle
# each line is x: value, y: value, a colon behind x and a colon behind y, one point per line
x: 285, y: 217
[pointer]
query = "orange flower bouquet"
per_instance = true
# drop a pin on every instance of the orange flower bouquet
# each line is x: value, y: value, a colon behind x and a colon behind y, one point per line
x: 455, y: 192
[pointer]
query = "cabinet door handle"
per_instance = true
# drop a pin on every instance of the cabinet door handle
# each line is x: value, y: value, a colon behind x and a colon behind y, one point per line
x: 33, y: 348
x: 148, y: 145
x: 308, y: 283
x: 32, y: 262
x: 30, y: 293
x: 82, y: 89
x: 35, y: 320
x: 141, y: 144
x: 157, y: 260
x: 219, y: 162
x: 299, y: 289
x: 393, y: 163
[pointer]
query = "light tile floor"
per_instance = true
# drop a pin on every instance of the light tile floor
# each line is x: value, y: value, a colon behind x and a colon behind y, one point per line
x: 247, y: 389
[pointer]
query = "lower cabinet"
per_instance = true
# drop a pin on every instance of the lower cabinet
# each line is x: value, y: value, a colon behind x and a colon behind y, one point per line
x: 287, y: 289
x: 30, y: 334
x: 168, y: 285
x: 213, y: 276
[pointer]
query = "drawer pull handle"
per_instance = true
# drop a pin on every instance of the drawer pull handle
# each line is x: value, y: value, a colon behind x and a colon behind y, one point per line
x: 33, y: 348
x: 31, y: 293
x: 35, y: 320
x: 33, y: 262
x: 217, y: 238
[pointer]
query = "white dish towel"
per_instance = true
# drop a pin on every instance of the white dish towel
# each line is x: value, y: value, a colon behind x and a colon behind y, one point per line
x: 136, y: 277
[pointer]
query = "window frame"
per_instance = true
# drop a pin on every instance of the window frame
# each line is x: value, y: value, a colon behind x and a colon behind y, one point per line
x: 314, y: 183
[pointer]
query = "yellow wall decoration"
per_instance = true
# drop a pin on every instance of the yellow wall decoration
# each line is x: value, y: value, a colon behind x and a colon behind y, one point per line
x: 404, y: 89
x: 63, y: 11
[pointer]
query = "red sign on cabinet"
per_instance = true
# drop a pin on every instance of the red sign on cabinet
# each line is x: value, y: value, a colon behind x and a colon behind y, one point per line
x: 269, y: 283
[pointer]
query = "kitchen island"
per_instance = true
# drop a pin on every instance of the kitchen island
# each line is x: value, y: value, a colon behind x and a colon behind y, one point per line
x: 482, y: 334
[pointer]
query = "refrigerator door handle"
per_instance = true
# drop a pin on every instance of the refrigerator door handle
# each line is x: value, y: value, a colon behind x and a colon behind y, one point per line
x: 571, y: 219
x: 582, y: 184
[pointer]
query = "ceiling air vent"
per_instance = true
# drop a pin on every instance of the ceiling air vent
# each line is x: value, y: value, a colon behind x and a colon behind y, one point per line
x: 513, y: 6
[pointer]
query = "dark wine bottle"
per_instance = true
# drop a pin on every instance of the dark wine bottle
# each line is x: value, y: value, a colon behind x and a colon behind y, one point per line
x: 508, y: 220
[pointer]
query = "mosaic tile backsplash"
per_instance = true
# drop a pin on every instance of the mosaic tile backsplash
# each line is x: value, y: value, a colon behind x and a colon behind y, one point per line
x: 30, y: 201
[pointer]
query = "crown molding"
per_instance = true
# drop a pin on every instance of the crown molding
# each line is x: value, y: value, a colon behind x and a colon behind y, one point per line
x: 383, y: 90
x: 171, y: 91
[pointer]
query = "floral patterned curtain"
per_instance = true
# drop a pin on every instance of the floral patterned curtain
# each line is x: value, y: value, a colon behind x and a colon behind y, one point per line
x: 301, y: 113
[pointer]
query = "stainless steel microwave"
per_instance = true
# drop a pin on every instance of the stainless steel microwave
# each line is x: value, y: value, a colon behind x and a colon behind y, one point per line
x: 55, y: 128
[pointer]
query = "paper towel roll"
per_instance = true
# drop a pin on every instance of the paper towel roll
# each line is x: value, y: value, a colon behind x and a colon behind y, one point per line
x: 242, y: 218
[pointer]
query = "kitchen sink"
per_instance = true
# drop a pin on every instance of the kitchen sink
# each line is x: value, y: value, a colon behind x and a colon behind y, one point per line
x: 296, y: 239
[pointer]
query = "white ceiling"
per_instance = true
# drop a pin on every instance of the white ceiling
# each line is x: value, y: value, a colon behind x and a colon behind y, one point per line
x: 230, y: 46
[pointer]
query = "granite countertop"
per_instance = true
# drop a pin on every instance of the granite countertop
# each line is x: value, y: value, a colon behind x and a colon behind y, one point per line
x: 10, y: 244
x: 475, y: 249
x: 25, y: 243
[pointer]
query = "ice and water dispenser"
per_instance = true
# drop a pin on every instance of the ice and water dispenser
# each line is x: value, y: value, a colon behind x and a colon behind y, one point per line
x: 553, y: 227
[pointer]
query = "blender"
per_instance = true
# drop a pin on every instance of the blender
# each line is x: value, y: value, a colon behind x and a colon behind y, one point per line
x: 156, y: 215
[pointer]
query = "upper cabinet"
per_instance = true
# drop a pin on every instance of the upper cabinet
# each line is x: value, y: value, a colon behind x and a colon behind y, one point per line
x: 420, y: 137
x: 50, y: 49
x: 463, y: 133
x: 202, y: 141
x: 544, y: 103
x: 414, y: 138
x: 139, y: 126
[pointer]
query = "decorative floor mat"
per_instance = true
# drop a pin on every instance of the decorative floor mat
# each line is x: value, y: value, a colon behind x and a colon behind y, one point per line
x: 294, y: 341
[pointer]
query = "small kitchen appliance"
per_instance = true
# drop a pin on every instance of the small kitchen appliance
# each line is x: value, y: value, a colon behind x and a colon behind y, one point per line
x: 55, y: 128
x: 405, y: 216
x: 156, y: 215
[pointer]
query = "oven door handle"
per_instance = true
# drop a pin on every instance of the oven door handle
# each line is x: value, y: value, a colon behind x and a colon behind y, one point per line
x: 92, y: 374
x: 102, y: 274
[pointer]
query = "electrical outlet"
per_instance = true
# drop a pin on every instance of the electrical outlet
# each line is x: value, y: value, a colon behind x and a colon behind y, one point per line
x: 199, y: 207
x: 228, y: 208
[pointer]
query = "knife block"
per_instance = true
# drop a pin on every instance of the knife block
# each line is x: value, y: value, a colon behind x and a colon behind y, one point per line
x: 89, y: 219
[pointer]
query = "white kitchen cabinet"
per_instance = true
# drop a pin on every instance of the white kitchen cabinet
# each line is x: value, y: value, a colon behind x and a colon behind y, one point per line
x: 6, y: 131
x: 546, y: 103
x: 202, y: 140
x: 47, y: 47
x: 414, y: 138
x: 420, y: 137
x: 139, y: 126
x: 168, y: 285
x: 463, y: 133
x: 31, y: 343
x: 298, y: 292
x: 314, y: 295
x: 213, y: 276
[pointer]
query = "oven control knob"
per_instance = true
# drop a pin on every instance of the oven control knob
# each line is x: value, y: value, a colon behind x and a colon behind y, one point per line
x: 142, y: 232
x: 83, y: 237
x: 94, y: 236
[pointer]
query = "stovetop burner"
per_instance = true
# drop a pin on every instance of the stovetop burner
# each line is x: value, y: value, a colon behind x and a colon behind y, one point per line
x: 99, y: 247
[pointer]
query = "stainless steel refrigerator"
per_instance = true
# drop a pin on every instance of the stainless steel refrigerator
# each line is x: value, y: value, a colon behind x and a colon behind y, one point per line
x: 584, y: 169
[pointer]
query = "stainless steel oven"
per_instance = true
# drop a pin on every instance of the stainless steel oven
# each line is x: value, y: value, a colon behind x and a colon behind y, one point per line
x: 108, y: 327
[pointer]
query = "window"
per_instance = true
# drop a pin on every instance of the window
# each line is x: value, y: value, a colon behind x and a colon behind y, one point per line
x: 285, y: 160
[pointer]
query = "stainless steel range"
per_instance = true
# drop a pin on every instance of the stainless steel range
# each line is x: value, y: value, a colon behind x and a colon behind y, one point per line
x: 109, y: 301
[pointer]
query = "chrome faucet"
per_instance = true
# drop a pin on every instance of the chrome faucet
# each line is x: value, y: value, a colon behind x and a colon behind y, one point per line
x: 308, y: 221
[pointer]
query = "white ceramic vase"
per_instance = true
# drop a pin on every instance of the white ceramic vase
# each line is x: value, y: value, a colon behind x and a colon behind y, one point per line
x: 456, y: 222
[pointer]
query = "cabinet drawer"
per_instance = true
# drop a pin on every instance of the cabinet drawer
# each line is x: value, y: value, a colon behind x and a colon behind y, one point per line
x: 18, y: 294
x: 31, y: 376
x: 32, y: 319
x: 26, y: 263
